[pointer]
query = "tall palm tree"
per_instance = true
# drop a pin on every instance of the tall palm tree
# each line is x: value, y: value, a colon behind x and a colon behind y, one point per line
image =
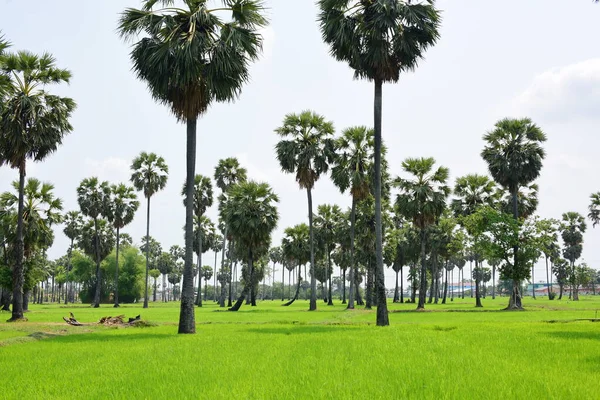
x: 33, y: 123
x: 228, y: 172
x: 92, y: 198
x: 188, y: 62
x: 514, y: 156
x: 354, y: 155
x: 97, y: 240
x: 150, y: 174
x: 594, y: 208
x: 295, y: 246
x: 121, y: 206
x: 251, y: 216
x: 422, y: 200
x: 572, y: 229
x: 73, y: 223
x: 203, y: 199
x: 471, y: 192
x: 326, y: 221
x: 307, y: 153
x: 379, y: 40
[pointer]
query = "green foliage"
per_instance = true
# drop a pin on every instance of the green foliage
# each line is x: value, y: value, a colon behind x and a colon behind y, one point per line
x: 104, y: 239
x: 228, y: 172
x: 295, y: 245
x: 572, y: 229
x: 203, y: 195
x: 132, y: 266
x: 354, y: 152
x: 150, y: 173
x: 472, y: 191
x: 121, y: 205
x: 594, y: 208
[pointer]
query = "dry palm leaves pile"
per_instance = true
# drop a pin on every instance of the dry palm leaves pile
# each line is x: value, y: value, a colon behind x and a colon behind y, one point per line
x: 119, y: 320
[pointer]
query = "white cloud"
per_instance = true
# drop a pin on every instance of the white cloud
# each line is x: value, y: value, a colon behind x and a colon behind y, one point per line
x: 112, y: 169
x: 564, y: 93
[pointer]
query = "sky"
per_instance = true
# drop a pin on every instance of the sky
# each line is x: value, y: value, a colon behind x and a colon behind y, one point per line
x: 535, y: 58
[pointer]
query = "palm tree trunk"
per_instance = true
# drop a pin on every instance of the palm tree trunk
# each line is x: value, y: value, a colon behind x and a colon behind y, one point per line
x: 247, y: 286
x: 229, y: 304
x: 396, y: 289
x: 445, y: 287
x: 493, y: 282
x: 289, y: 284
x: 547, y: 277
x: 313, y: 279
x: 369, y: 286
x: 514, y: 302
x: 329, y: 272
x: 187, y: 322
x: 117, y: 273
x: 18, y: 277
x: 344, y: 287
x: 98, y: 270
x: 199, y: 266
x: 382, y: 311
x: 297, y: 288
x: 423, y: 275
x: 352, y: 271
x: 477, y: 294
x: 147, y: 253
x: 282, y: 281
x: 471, y: 277
x: 401, y: 285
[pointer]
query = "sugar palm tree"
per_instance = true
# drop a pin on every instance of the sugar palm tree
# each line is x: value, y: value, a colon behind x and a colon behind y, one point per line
x: 354, y: 155
x: 594, y: 208
x: 150, y: 174
x: 326, y: 221
x: 203, y: 199
x: 204, y: 239
x: 295, y: 246
x: 97, y: 240
x: 547, y: 234
x: 379, y: 40
x: 471, y: 192
x: 33, y: 123
x: 92, y: 198
x: 514, y: 156
x: 188, y: 62
x: 251, y: 216
x: 228, y: 172
x: 422, y: 200
x: 306, y: 149
x: 121, y: 206
x: 572, y: 229
x: 73, y: 222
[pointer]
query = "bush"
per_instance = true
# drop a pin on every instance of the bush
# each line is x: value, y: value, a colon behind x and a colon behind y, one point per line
x: 551, y: 295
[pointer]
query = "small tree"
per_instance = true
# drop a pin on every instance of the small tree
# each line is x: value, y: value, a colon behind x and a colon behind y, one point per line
x: 572, y: 229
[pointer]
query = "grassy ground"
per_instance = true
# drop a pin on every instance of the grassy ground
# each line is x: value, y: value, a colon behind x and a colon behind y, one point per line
x: 274, y: 352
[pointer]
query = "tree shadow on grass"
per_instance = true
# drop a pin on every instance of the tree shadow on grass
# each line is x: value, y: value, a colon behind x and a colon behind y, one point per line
x: 575, y: 335
x: 107, y: 337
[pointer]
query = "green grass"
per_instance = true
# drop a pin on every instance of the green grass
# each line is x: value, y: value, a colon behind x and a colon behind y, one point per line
x: 274, y: 352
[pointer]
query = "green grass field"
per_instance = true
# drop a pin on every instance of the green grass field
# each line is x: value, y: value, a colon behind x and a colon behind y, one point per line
x: 273, y: 352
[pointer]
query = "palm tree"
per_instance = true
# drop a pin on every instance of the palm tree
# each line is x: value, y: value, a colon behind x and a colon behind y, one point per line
x: 354, y: 155
x: 276, y: 257
x: 204, y: 239
x: 97, y: 240
x: 121, y: 206
x: 307, y: 153
x: 379, y: 40
x: 514, y: 156
x: 422, y: 200
x: 189, y: 62
x: 295, y: 246
x: 594, y: 208
x: 251, y: 216
x: 547, y: 232
x: 471, y: 192
x: 326, y: 221
x: 150, y: 174
x: 228, y: 172
x: 573, y: 227
x: 33, y: 123
x: 92, y: 198
x: 206, y: 273
x: 73, y: 223
x: 203, y: 199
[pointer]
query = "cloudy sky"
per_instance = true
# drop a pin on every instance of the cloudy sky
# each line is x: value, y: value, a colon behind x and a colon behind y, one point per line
x: 536, y: 58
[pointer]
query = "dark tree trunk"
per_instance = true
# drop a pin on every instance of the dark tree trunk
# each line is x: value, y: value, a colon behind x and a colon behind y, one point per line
x: 289, y: 284
x: 18, y: 277
x: 297, y: 288
x: 117, y: 273
x: 359, y: 300
x: 246, y: 289
x: 98, y: 270
x: 164, y: 288
x: 369, y: 287
x: 401, y: 285
x: 344, y: 287
x: 514, y: 302
x: 431, y: 285
x: 329, y: 297
x: 477, y: 293
x: 382, y: 311
x: 352, y: 266
x: 223, y: 294
x: 199, y: 266
x: 548, y: 277
x: 6, y: 298
x: 560, y: 287
x: 574, y: 285
x: 471, y: 277
x: 26, y: 294
x: 423, y: 276
x: 147, y: 253
x: 396, y: 289
x: 187, y: 322
x: 230, y: 295
x: 154, y: 291
x: 313, y: 279
x: 452, y: 279
x: 253, y: 291
x: 445, y: 287
x: 493, y: 282
x: 413, y: 294
x: 283, y: 268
